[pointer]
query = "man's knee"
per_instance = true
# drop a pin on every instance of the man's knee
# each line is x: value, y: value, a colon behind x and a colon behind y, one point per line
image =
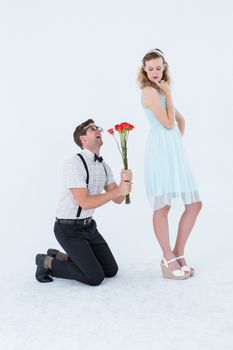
x: 112, y: 272
x: 96, y: 280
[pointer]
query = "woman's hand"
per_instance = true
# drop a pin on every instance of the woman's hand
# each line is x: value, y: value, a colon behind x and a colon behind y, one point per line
x: 163, y: 86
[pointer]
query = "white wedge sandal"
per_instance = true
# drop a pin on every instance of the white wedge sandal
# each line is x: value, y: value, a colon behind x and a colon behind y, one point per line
x: 186, y: 268
x: 176, y: 274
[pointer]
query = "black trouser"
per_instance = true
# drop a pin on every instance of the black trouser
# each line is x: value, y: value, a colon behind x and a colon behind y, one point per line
x: 90, y: 259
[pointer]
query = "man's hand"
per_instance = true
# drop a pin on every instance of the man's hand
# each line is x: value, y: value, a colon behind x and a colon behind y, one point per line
x: 126, y: 175
x: 124, y: 187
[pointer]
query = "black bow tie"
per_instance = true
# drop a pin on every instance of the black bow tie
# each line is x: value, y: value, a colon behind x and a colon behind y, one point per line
x: 100, y: 159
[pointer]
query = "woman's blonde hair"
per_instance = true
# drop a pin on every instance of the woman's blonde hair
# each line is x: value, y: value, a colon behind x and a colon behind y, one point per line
x: 142, y: 75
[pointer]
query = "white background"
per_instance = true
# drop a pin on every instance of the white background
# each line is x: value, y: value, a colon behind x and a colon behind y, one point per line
x: 65, y: 61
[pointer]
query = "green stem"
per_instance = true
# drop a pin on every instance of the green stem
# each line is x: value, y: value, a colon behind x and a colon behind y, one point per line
x: 117, y: 145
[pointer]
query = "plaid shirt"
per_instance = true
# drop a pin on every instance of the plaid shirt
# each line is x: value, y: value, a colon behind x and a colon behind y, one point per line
x: 74, y: 176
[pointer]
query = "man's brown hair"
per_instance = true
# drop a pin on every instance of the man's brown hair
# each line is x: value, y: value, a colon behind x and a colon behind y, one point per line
x: 81, y: 130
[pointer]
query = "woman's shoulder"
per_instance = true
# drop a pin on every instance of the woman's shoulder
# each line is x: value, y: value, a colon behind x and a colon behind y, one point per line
x: 148, y: 88
x: 149, y: 94
x: 149, y: 91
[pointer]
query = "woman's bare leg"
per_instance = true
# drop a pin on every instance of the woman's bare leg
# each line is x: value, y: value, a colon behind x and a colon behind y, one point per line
x: 161, y: 229
x: 186, y: 224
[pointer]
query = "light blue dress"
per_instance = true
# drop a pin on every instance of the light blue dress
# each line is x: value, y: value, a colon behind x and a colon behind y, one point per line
x: 168, y: 177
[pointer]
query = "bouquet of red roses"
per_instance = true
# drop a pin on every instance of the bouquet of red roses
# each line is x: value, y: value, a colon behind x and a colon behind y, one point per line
x: 123, y: 130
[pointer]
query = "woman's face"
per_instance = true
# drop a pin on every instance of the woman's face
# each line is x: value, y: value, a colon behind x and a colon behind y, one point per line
x: 154, y: 69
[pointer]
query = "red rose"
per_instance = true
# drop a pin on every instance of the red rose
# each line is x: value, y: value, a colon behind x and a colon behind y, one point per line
x: 124, y: 125
x: 117, y: 127
x: 130, y: 127
x: 123, y: 130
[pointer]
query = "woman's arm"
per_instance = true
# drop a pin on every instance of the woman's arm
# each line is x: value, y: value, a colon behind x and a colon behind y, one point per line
x: 180, y: 121
x: 151, y: 100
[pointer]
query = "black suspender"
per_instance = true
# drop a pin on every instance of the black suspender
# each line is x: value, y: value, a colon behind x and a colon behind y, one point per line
x: 87, y: 179
x: 85, y: 166
x: 105, y: 171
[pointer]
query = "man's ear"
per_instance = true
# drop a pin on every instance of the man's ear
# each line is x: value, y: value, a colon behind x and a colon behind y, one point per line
x: 82, y: 138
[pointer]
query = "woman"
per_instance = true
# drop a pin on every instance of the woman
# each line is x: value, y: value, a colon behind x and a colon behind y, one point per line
x: 168, y: 178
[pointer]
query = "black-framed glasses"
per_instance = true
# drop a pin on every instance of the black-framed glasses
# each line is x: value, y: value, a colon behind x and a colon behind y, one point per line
x: 94, y: 128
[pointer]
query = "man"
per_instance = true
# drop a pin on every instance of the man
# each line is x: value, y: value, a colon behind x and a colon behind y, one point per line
x: 88, y: 258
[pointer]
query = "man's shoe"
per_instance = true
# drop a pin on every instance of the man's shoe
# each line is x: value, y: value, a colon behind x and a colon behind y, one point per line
x: 52, y: 252
x: 42, y: 273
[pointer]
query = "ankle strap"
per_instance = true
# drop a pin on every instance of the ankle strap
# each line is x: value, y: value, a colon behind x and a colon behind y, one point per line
x: 180, y: 257
x: 169, y: 261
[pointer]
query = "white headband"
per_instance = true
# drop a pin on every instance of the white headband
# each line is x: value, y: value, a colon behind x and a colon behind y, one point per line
x: 158, y: 52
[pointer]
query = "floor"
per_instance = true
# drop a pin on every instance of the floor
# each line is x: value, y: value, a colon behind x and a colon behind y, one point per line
x: 137, y: 309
